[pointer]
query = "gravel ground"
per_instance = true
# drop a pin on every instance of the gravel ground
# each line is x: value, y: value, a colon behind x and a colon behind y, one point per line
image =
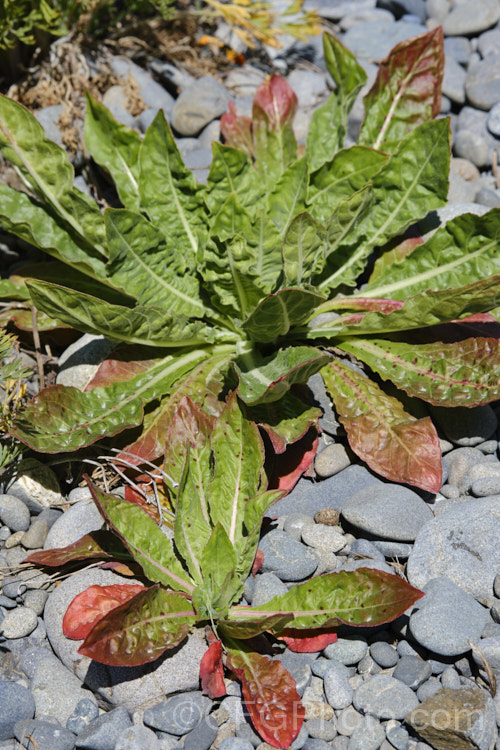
x: 374, y: 688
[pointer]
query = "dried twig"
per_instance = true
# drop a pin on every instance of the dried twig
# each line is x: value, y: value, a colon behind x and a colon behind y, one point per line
x: 487, y: 668
x: 38, y: 353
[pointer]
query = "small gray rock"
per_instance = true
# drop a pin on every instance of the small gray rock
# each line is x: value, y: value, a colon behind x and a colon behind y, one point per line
x: 267, y: 585
x: 14, y: 513
x: 458, y: 48
x: 45, y: 734
x: 347, y: 650
x: 85, y: 711
x: 48, y: 118
x: 461, y: 21
x: 138, y: 738
x: 385, y: 697
x: 482, y: 83
x: 79, y: 519
x: 336, y: 685
x: 384, y: 654
x: 56, y: 690
x: 447, y: 618
x: 393, y: 550
x: 235, y: 743
x: 177, y: 715
x: 36, y: 535
x: 17, y: 705
x: 331, y: 460
x: 80, y: 361
x: 18, y: 623
x: 486, y: 486
x: 347, y: 721
x: 295, y: 522
x: 429, y: 688
x: 201, y: 737
x: 489, y: 43
x: 365, y: 548
x: 368, y: 735
x: 104, y: 732
x: 287, y: 558
x: 374, y: 41
x: 471, y: 145
x: 152, y: 93
x: 413, y: 671
x: 454, y: 81
x: 392, y: 512
x: 490, y: 649
x: 323, y: 538
x: 450, y: 678
x: 319, y: 729
x: 35, y: 600
x: 199, y: 104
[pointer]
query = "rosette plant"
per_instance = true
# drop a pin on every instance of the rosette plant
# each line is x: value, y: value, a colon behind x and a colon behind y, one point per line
x: 206, y: 287
x: 195, y: 565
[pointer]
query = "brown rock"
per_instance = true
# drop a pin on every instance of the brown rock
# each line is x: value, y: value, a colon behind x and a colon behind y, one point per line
x: 462, y: 719
x: 465, y: 168
x: 327, y: 516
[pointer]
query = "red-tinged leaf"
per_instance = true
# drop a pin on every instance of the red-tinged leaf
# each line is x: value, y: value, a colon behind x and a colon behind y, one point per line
x: 392, y: 442
x: 412, y: 240
x: 141, y: 629
x: 120, y: 367
x: 189, y: 426
x: 285, y: 469
x: 406, y: 91
x: 276, y: 101
x: 364, y: 303
x: 287, y: 420
x: 212, y: 671
x: 92, y: 604
x: 308, y: 641
x: 21, y: 317
x: 258, y: 562
x: 477, y: 318
x: 237, y: 130
x: 464, y: 373
x: 133, y: 496
x: 118, y: 567
x: 270, y: 696
x: 96, y: 545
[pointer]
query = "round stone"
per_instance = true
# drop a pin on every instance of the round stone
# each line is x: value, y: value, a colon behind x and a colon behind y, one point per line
x: 331, y: 460
x: 177, y: 715
x: 482, y: 84
x: 14, y: 513
x: 384, y: 654
x: 17, y: 705
x: 18, y: 623
x: 81, y: 518
x: 336, y: 685
x: 347, y: 650
x: 327, y: 516
x: 198, y: 104
x: 36, y: 535
x: 460, y: 21
x: 384, y: 697
x: 472, y: 146
x: 324, y: 538
x: 388, y: 512
x: 286, y: 557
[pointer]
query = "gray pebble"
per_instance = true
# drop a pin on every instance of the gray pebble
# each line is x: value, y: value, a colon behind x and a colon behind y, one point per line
x: 487, y: 197
x: 390, y: 512
x: 36, y: 535
x: 202, y: 736
x: 198, y: 104
x: 384, y: 654
x: 83, y: 714
x: 490, y: 649
x: 368, y: 735
x: 471, y: 145
x: 14, y: 513
x: 323, y: 538
x: 385, y: 697
x: 347, y: 721
x: 320, y: 666
x: 340, y: 743
x: 413, y: 671
x: 235, y: 743
x: 46, y: 735
x: 35, y: 600
x: 177, y: 715
x: 375, y: 40
x: 461, y: 21
x: 18, y: 623
x: 295, y: 522
x: 312, y: 744
x: 397, y: 735
x: 458, y: 48
x: 394, y: 550
x: 138, y: 738
x: 336, y: 685
x: 331, y: 460
x: 17, y: 705
x: 486, y: 486
x: 428, y: 688
x: 287, y: 558
x: 103, y: 733
x: 56, y: 690
x: 267, y: 585
x: 482, y: 84
x: 489, y: 43
x: 450, y: 678
x: 79, y: 519
x: 454, y: 81
x: 151, y: 92
x: 365, y: 548
x: 347, y: 650
x: 300, y: 739
x: 496, y: 586
x: 447, y: 618
x: 319, y: 729
x: 13, y: 587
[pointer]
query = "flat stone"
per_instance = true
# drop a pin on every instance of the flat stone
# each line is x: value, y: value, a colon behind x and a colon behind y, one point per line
x: 336, y: 685
x: 14, y: 513
x: 368, y: 735
x: 389, y: 512
x: 56, y: 690
x: 80, y: 361
x: 461, y: 544
x: 81, y: 518
x: 18, y: 623
x: 331, y: 460
x: 295, y: 522
x: 45, y: 734
x: 323, y: 538
x: 364, y: 548
x: 447, y: 618
x: 286, y: 557
x: 267, y: 585
x: 393, y: 550
x: 36, y: 535
x: 321, y: 730
x: 374, y: 41
x: 384, y: 654
x: 85, y: 711
x: 413, y: 671
x: 490, y: 649
x: 489, y: 43
x: 471, y: 145
x: 17, y: 705
x: 454, y: 81
x: 199, y: 104
x: 104, y: 732
x: 347, y: 650
x: 482, y: 84
x: 385, y: 697
x: 486, y: 486
x: 131, y: 687
x: 458, y: 48
x: 428, y: 689
x: 152, y: 93
x: 177, y: 715
x: 460, y: 20
x: 137, y: 738
x: 309, y: 86
x: 456, y: 719
x: 202, y: 736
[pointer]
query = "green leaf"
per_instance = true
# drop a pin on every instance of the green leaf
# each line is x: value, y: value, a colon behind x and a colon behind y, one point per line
x: 406, y: 91
x: 141, y: 261
x: 97, y: 545
x: 13, y: 290
x: 149, y: 326
x: 114, y: 147
x: 27, y: 219
x: 465, y: 373
x: 277, y: 313
x: 345, y: 70
x: 231, y: 171
x: 62, y: 418
x: 361, y: 597
x: 288, y: 197
x: 392, y: 442
x: 146, y: 542
x: 303, y: 249
x: 326, y: 133
x: 349, y: 171
x: 218, y: 565
x: 464, y: 250
x: 429, y: 308
x: 263, y: 380
x: 168, y: 190
x: 286, y: 420
x: 46, y: 167
x: 238, y: 454
x: 140, y: 630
